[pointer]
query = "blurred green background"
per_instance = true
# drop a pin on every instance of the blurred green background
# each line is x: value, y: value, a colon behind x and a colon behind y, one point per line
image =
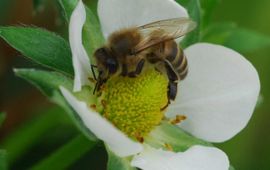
x: 34, y: 127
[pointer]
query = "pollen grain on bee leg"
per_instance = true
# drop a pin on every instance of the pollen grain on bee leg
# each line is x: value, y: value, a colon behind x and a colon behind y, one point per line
x: 178, y: 119
x: 168, y: 146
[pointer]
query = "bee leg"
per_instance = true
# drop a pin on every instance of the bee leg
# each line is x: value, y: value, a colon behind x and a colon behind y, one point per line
x: 99, y: 82
x: 96, y: 86
x: 165, y: 107
x: 138, y: 69
x: 124, y: 70
x: 93, y: 71
x: 172, y: 90
x: 171, y: 73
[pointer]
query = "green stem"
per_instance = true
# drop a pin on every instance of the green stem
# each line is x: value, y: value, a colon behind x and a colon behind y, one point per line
x: 20, y: 141
x: 67, y: 154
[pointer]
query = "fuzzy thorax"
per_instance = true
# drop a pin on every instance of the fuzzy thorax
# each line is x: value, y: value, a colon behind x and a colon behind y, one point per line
x: 134, y: 105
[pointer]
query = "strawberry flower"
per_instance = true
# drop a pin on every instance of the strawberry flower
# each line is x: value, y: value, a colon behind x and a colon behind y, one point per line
x: 217, y: 97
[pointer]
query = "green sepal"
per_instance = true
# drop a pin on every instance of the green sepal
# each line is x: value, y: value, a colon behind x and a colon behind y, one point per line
x: 41, y: 46
x: 46, y: 81
x: 239, y: 39
x: 49, y: 83
x: 168, y: 134
x: 117, y: 163
x: 92, y: 35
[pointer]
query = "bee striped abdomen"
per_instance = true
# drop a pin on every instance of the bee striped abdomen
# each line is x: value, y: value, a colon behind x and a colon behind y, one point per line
x: 182, y: 69
x: 177, y: 59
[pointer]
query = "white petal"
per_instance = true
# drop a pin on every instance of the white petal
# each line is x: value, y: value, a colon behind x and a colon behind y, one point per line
x: 219, y: 94
x: 118, y: 142
x: 117, y: 14
x: 81, y: 63
x: 195, y: 158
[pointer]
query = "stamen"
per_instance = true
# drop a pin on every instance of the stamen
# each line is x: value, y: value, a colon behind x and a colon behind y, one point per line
x: 93, y: 106
x: 139, y: 138
x: 168, y: 146
x: 178, y: 119
x: 104, y: 103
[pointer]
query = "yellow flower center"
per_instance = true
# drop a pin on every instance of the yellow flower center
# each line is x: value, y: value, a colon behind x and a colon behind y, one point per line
x: 134, y: 105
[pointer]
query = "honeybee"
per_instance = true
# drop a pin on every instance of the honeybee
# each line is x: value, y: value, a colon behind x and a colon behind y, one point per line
x: 130, y: 50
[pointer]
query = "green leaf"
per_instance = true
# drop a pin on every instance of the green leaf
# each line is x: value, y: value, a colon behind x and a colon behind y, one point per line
x: 208, y: 7
x: 117, y: 163
x: 173, y: 136
x: 48, y: 83
x: 218, y: 33
x: 2, y: 118
x: 231, y: 168
x: 194, y: 10
x: 92, y: 35
x: 67, y: 154
x: 239, y: 39
x: 184, y: 3
x: 244, y: 40
x: 43, y: 47
x: 3, y: 161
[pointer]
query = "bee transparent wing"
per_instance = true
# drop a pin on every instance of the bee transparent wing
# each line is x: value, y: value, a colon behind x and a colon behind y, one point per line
x: 164, y: 30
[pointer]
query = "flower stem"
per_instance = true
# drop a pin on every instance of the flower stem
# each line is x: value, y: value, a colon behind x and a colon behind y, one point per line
x: 67, y: 154
x: 31, y: 132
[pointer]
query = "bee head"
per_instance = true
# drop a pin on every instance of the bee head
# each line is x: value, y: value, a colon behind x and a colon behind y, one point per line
x: 106, y: 62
